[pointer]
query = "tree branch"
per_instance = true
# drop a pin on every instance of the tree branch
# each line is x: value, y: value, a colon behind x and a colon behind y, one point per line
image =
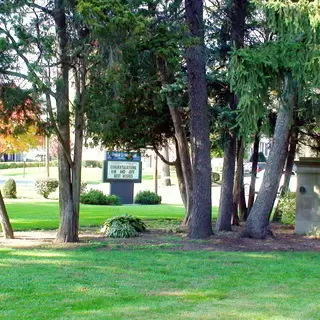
x: 169, y: 163
x: 14, y: 74
x: 43, y: 9
x: 44, y: 87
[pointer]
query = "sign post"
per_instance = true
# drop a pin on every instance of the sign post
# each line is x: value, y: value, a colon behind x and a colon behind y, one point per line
x: 122, y: 170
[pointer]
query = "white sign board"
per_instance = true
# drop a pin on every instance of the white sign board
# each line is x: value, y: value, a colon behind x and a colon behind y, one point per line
x: 125, y: 170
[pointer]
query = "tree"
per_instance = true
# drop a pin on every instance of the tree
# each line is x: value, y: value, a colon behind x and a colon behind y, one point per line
x: 236, y: 14
x: 273, y: 65
x: 200, y: 222
x: 18, y: 113
x: 144, y: 83
x: 45, y: 35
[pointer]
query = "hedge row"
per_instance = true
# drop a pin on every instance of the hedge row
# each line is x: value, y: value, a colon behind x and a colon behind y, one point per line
x: 21, y: 164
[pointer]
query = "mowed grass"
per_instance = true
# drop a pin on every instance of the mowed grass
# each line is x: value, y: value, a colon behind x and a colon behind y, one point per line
x: 93, y: 283
x: 45, y: 215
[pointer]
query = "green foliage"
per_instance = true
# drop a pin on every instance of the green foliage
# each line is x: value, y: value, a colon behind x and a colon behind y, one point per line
x: 124, y: 226
x: 15, y: 165
x: 314, y: 233
x: 97, y: 197
x: 287, y: 208
x: 92, y: 164
x: 10, y: 189
x: 257, y: 73
x: 46, y: 186
x: 215, y: 177
x: 147, y: 197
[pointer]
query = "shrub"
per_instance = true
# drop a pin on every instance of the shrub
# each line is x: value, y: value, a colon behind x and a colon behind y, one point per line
x: 92, y: 164
x: 46, y: 186
x: 113, y: 200
x: 97, y: 197
x: 147, y: 197
x: 287, y: 208
x: 10, y: 189
x: 124, y: 226
x: 215, y: 176
x: 25, y: 164
x: 314, y: 233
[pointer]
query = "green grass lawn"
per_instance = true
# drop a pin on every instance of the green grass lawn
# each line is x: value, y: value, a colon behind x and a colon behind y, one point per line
x: 92, y: 283
x: 45, y: 215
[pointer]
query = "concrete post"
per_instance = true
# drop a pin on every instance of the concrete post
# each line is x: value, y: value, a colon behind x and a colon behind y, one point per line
x: 308, y: 195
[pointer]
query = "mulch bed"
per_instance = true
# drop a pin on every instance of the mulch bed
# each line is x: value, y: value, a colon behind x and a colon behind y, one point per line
x: 284, y: 240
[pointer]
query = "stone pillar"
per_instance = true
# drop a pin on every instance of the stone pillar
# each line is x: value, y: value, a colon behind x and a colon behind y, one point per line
x: 308, y: 195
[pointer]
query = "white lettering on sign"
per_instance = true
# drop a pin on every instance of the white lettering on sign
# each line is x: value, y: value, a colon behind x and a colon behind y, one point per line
x: 123, y: 170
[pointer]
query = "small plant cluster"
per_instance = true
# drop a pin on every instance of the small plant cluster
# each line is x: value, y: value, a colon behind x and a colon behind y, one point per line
x: 287, y: 208
x: 97, y: 197
x: 125, y: 226
x: 92, y: 164
x: 10, y: 189
x: 147, y: 197
x: 46, y: 186
x: 315, y: 233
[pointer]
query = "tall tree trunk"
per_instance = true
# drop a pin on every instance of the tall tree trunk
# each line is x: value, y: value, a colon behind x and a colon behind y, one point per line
x: 226, y: 207
x: 4, y: 220
x: 201, y: 221
x: 180, y: 136
x: 242, y: 201
x: 255, y: 155
x: 290, y: 160
x: 68, y: 226
x: 288, y: 171
x: 182, y: 186
x: 80, y: 101
x: 166, y: 180
x: 237, y: 14
x: 238, y: 183
x: 257, y: 225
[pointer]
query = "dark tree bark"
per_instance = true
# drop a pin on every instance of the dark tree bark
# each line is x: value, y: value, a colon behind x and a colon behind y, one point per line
x: 201, y: 221
x: 242, y: 201
x: 290, y: 160
x: 238, y: 183
x: 252, y: 190
x: 237, y: 14
x: 4, y: 220
x: 69, y: 209
x: 257, y: 225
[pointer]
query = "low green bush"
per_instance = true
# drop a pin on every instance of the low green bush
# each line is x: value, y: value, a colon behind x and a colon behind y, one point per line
x: 92, y: 164
x: 22, y: 164
x: 97, y: 197
x: 124, y: 226
x: 147, y: 197
x: 113, y: 200
x: 10, y: 189
x: 287, y: 208
x: 46, y: 186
